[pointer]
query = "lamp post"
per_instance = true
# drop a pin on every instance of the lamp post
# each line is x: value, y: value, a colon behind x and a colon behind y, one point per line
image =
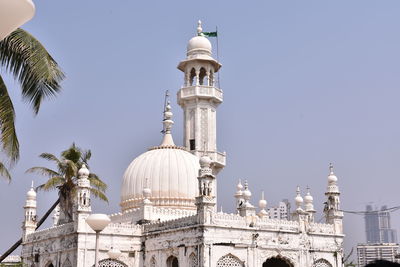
x: 97, y: 222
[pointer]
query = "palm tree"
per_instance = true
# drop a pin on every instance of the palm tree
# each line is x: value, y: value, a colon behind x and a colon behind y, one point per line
x: 65, y: 178
x: 39, y: 75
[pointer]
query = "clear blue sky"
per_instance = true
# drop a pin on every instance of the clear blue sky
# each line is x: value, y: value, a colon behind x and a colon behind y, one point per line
x: 305, y: 82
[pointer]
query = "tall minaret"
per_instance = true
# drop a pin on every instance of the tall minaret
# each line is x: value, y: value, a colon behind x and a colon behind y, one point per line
x: 332, y: 211
x: 199, y: 98
x: 29, y: 224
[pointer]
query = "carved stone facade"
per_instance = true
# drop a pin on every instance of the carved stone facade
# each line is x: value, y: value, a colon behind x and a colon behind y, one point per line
x: 176, y: 230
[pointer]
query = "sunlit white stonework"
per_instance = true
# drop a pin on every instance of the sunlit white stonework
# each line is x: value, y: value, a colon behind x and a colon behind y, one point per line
x: 168, y: 203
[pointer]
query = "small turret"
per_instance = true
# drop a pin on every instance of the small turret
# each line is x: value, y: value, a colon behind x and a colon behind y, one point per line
x: 82, y: 206
x: 206, y: 200
x: 146, y: 207
x: 29, y: 224
x: 239, y: 195
x: 333, y: 214
x: 246, y: 208
x: 262, y: 204
x: 309, y: 205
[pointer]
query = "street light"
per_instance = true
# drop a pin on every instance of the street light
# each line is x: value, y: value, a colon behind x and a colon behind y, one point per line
x: 97, y: 222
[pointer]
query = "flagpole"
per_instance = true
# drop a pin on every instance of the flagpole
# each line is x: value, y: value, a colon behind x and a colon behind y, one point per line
x: 219, y: 84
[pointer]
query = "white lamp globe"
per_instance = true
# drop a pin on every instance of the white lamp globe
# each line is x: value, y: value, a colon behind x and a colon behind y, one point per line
x: 114, y: 253
x: 14, y: 13
x: 98, y: 221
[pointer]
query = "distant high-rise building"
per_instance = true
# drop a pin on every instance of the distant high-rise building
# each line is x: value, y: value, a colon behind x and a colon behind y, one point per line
x: 377, y: 226
x: 281, y: 212
x: 367, y: 253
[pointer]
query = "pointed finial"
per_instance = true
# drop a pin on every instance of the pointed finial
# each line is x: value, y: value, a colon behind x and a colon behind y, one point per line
x: 167, y: 122
x: 331, y: 168
x: 32, y: 184
x: 199, y: 28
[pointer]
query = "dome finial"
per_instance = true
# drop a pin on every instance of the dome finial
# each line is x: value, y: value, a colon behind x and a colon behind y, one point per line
x: 331, y: 168
x: 167, y: 122
x: 199, y: 28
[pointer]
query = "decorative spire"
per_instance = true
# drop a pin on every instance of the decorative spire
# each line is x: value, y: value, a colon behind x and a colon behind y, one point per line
x: 167, y: 122
x: 199, y: 28
x: 331, y: 168
x: 247, y: 194
x: 308, y: 201
x: 332, y: 179
x: 146, y: 192
x: 298, y: 199
x: 262, y: 204
x: 31, y: 194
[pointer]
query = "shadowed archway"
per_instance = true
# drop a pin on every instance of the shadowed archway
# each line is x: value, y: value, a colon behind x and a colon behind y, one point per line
x: 276, y: 262
x: 172, y: 262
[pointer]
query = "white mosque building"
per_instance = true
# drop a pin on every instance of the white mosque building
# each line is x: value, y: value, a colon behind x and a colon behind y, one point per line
x: 168, y: 214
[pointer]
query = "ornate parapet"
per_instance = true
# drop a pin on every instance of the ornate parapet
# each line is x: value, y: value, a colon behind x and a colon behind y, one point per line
x: 172, y: 224
x: 321, y: 228
x: 277, y: 225
x: 51, y: 232
x: 156, y: 214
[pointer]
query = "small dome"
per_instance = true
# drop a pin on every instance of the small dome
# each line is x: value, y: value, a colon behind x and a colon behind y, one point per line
x: 199, y: 43
x: 31, y: 194
x: 299, y: 200
x: 332, y: 178
x: 83, y: 171
x: 239, y: 186
x: 247, y: 194
x: 262, y: 203
x: 308, y: 198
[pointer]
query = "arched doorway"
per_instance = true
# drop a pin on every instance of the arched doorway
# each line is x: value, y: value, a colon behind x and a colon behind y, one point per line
x: 172, y: 262
x: 276, y: 262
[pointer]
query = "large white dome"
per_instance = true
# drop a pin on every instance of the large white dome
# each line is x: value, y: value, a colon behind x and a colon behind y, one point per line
x: 171, y: 174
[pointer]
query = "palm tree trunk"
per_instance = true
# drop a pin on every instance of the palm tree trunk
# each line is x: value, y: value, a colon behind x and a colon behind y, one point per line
x: 10, y: 250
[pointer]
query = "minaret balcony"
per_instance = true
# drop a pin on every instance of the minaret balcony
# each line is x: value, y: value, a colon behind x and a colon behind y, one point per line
x: 200, y: 91
x: 218, y: 158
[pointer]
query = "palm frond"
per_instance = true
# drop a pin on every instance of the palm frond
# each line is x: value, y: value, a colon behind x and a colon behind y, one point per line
x: 28, y: 60
x: 98, y: 194
x: 52, y: 183
x: 50, y: 157
x: 4, y: 172
x: 70, y: 169
x: 8, y: 136
x: 96, y: 182
x: 73, y: 153
x: 86, y: 155
x: 43, y: 171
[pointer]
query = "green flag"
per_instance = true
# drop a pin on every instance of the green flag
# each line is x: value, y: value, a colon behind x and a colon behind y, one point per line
x: 209, y: 34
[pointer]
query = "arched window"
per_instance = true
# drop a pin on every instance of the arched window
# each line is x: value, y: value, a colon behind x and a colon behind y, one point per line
x: 203, y: 79
x: 277, y: 262
x: 172, y: 262
x: 192, y: 76
x: 193, y: 262
x: 49, y: 264
x: 322, y: 263
x: 153, y: 262
x: 229, y: 261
